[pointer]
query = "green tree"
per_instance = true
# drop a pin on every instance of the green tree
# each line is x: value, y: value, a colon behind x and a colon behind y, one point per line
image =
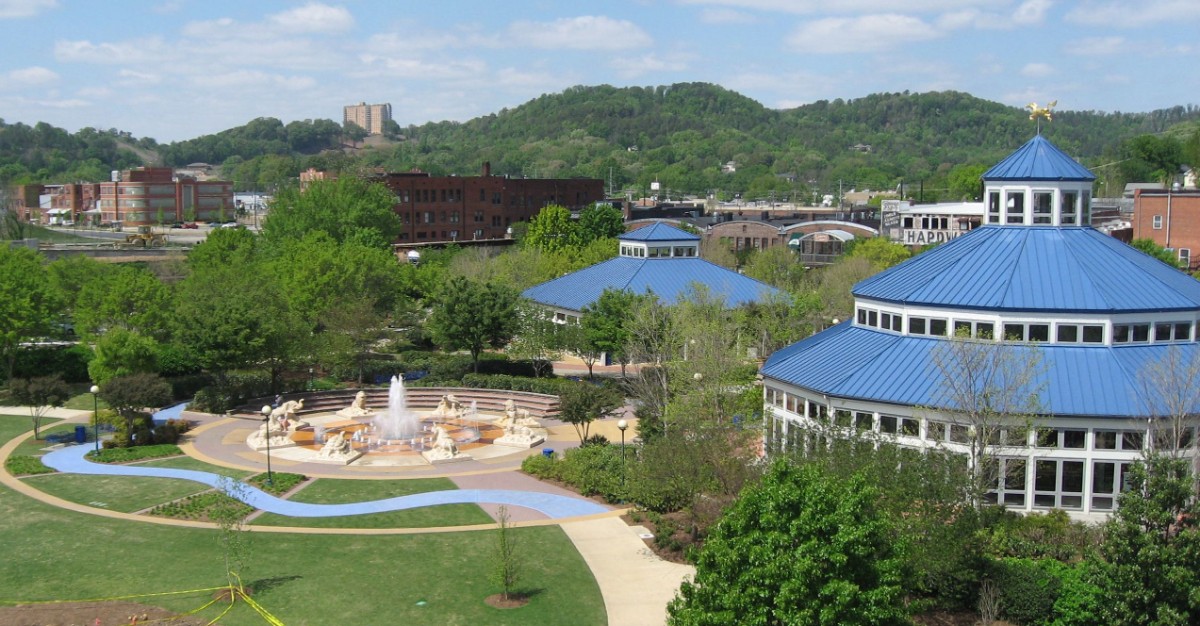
x: 881, y: 252
x: 798, y: 548
x: 471, y: 316
x: 1151, y: 158
x: 126, y: 297
x: 1149, y: 247
x: 605, y: 324
x: 120, y: 352
x: 506, y: 565
x: 316, y: 274
x: 538, y: 337
x: 582, y: 403
x: 1150, y: 572
x: 40, y: 394
x: 350, y: 330
x: 966, y: 182
x: 551, y: 230
x: 600, y: 221
x: 347, y: 209
x: 26, y: 301
x: 129, y: 396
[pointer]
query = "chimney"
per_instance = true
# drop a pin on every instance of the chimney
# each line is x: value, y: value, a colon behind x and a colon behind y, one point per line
x: 487, y: 168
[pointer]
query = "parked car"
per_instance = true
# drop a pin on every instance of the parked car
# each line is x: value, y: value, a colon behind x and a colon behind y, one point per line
x: 192, y: 225
x: 231, y: 225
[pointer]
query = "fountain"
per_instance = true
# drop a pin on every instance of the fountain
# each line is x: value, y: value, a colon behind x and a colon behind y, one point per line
x: 398, y: 422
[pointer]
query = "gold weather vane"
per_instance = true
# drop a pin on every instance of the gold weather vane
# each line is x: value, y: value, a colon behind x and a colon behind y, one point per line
x: 1036, y: 112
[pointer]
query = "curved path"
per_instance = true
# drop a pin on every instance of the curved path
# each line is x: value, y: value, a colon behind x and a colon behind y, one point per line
x: 71, y: 459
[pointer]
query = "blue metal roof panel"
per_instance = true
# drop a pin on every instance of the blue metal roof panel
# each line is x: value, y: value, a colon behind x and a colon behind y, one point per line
x: 866, y: 364
x: 1038, y: 159
x: 1035, y: 268
x: 659, y: 231
x: 669, y: 279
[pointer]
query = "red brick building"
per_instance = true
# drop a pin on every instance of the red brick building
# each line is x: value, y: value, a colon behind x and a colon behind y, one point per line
x: 148, y: 195
x: 1171, y: 219
x: 467, y: 208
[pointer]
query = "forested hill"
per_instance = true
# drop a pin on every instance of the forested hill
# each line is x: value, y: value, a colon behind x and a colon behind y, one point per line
x: 681, y: 135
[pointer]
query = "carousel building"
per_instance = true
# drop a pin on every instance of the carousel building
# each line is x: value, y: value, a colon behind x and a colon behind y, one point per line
x: 1092, y: 321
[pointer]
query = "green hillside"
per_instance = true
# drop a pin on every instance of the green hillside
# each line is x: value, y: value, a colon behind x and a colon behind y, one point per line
x: 679, y: 135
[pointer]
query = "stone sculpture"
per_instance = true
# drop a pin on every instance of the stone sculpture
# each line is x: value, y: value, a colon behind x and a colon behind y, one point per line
x: 358, y: 408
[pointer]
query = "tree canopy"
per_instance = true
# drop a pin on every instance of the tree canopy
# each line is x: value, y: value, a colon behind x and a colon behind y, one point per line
x: 472, y: 316
x: 348, y: 209
x: 798, y: 548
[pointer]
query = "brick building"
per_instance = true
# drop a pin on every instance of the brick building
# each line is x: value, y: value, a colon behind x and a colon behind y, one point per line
x: 1171, y: 219
x: 149, y: 195
x: 466, y: 208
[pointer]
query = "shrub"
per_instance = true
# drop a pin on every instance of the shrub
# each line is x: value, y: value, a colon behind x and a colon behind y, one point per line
x: 140, y: 453
x: 1028, y: 591
x: 281, y: 482
x: 70, y: 361
x: 594, y: 470
x: 169, y: 432
x: 25, y: 465
x: 1050, y: 535
x: 237, y: 388
x: 541, y: 466
x: 596, y: 440
x: 549, y: 386
x: 188, y: 386
x: 202, y: 507
x: 374, y: 370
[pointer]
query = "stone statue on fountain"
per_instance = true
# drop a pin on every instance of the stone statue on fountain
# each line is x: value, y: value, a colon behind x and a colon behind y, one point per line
x: 515, y: 416
x: 444, y: 448
x: 358, y: 408
x: 448, y: 408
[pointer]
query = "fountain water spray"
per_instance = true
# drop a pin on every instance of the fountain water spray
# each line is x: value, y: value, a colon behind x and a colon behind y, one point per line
x: 398, y: 422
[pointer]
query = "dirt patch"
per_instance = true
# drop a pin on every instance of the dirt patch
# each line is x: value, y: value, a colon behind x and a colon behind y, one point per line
x: 90, y: 614
x: 513, y: 601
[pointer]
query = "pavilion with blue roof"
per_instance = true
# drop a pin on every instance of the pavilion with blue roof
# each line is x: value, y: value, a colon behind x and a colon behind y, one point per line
x: 1092, y: 340
x: 658, y: 259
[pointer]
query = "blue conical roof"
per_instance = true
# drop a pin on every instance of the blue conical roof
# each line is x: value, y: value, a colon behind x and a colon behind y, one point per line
x: 1038, y: 159
x: 659, y: 231
x: 1035, y: 268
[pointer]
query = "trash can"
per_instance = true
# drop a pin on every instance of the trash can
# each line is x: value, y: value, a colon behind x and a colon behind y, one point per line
x: 81, y: 434
x: 548, y: 453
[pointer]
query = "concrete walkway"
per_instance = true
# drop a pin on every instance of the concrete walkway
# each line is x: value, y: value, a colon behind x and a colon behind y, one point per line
x: 635, y: 582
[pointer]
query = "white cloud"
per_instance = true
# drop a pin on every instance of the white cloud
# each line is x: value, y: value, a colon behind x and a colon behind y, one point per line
x: 134, y: 77
x: 633, y: 67
x: 869, y: 33
x: 133, y: 51
x: 1031, y: 12
x: 10, y: 9
x: 1096, y: 46
x: 314, y: 17
x: 35, y: 75
x: 1111, y: 13
x: 1037, y: 70
x: 94, y: 93
x: 587, y: 32
x: 251, y: 78
x: 846, y: 7
x: 726, y: 16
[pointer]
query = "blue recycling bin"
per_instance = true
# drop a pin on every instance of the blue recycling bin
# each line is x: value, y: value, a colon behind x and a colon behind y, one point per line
x: 81, y: 434
x: 548, y: 453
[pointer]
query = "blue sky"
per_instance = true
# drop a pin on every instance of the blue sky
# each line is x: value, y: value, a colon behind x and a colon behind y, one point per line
x: 177, y: 69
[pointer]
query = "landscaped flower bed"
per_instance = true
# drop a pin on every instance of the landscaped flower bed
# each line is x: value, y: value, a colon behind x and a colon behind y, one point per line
x: 138, y: 453
x: 25, y: 465
x: 203, y: 507
x: 281, y: 482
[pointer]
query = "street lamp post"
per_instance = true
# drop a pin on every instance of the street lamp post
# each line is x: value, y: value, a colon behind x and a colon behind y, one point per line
x: 266, y: 412
x: 310, y: 379
x: 96, y: 414
x: 621, y: 426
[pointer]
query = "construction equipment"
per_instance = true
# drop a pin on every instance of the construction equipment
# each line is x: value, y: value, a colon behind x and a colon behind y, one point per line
x: 144, y: 239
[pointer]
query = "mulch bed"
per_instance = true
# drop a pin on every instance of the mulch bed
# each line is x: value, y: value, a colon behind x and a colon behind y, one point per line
x: 91, y: 614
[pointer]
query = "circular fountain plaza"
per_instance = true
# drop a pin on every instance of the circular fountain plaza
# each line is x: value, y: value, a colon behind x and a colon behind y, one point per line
x: 396, y: 435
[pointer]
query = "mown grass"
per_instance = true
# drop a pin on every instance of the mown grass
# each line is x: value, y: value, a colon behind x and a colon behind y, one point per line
x: 126, y: 494
x: 305, y: 580
x: 334, y: 491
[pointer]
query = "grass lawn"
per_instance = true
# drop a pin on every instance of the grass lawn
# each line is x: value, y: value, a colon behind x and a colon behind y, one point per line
x: 333, y: 491
x: 33, y: 231
x: 188, y: 463
x: 115, y: 493
x: 301, y: 579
